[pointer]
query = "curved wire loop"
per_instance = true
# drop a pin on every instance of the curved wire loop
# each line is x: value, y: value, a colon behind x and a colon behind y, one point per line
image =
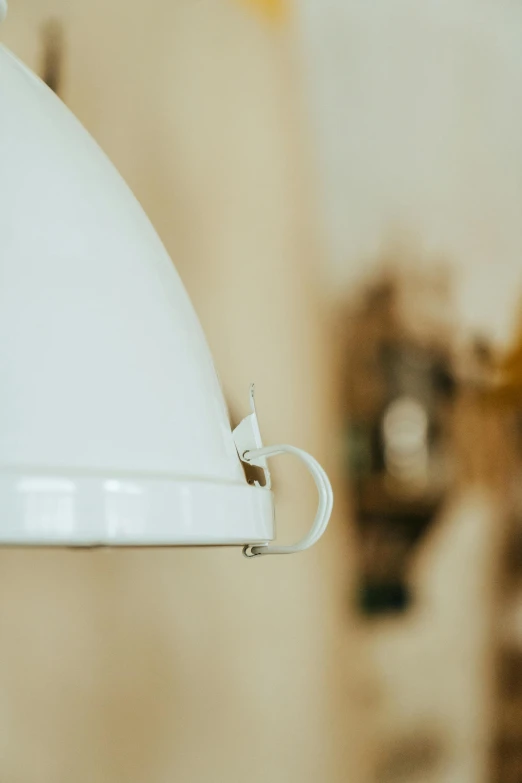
x: 324, y: 508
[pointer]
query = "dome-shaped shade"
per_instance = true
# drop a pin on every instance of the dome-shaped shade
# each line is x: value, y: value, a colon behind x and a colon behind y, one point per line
x: 113, y: 427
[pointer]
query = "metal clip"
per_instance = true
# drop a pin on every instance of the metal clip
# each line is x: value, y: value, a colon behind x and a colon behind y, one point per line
x: 247, y: 437
x: 250, y: 448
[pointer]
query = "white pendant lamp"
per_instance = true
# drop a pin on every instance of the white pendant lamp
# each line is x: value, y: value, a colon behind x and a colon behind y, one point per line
x: 113, y: 427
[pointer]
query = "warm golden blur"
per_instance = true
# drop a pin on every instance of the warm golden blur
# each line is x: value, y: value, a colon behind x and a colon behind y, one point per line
x: 338, y: 184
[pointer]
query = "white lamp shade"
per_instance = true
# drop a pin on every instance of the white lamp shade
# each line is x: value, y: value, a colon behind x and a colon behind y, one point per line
x: 113, y: 427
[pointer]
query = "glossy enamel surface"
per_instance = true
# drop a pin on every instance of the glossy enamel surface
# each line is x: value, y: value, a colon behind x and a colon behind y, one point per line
x: 105, y: 374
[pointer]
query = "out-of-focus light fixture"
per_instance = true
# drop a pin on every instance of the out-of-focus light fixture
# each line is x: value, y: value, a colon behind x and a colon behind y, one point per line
x: 113, y: 427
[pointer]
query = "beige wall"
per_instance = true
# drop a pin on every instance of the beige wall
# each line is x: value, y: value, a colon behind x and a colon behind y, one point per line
x: 419, y: 125
x: 196, y: 666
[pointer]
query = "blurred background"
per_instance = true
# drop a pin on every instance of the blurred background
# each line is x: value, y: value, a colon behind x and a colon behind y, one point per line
x: 339, y: 185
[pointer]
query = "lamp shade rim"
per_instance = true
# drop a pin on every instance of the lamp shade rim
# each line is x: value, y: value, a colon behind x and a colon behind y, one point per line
x: 75, y: 509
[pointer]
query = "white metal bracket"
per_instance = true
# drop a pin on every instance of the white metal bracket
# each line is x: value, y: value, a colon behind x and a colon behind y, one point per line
x: 247, y: 438
x: 250, y: 448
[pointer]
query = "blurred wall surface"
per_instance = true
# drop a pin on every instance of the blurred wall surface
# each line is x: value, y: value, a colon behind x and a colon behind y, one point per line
x: 194, y: 666
x: 419, y: 126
